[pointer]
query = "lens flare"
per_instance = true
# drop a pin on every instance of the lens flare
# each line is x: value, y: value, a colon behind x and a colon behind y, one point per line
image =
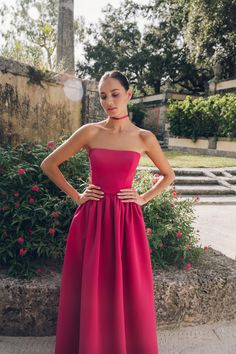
x: 33, y: 13
x: 73, y: 89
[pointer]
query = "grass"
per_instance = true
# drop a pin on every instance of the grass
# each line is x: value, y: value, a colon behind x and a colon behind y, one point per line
x: 183, y: 159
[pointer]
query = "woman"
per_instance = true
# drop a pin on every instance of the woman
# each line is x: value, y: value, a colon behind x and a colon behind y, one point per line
x: 106, y: 297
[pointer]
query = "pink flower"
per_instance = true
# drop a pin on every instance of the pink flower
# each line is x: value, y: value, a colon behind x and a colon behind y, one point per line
x: 51, y: 231
x: 174, y: 194
x: 206, y: 248
x: 196, y: 198
x: 17, y: 194
x: 179, y: 234
x: 156, y: 176
x: 17, y: 204
x: 39, y: 270
x: 55, y: 214
x: 21, y: 171
x: 188, y: 266
x: 20, y: 239
x: 148, y: 230
x: 22, y: 251
x: 35, y: 188
x: 31, y: 200
x: 50, y: 144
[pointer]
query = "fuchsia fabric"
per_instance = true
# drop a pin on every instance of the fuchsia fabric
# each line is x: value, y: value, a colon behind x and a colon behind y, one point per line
x: 107, y: 296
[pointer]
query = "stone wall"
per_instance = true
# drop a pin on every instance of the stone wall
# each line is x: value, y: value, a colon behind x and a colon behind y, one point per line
x: 205, y: 146
x: 219, y: 86
x: 155, y: 107
x: 36, y: 106
x: 92, y: 110
x: 203, y: 294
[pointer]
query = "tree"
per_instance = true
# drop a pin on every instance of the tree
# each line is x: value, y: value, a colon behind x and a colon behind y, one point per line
x: 181, y: 41
x: 149, y: 57
x: 207, y: 29
x: 210, y: 33
x: 115, y: 42
x: 168, y: 53
x: 65, y: 36
x: 25, y: 31
x: 33, y: 41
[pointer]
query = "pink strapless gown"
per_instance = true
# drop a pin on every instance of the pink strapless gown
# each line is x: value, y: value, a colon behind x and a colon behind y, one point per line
x: 107, y: 295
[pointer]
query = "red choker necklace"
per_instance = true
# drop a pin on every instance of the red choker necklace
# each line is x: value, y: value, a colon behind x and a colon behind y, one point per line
x: 119, y: 117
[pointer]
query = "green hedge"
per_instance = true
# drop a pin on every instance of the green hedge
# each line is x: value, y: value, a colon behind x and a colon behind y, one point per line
x: 211, y: 117
x: 36, y: 214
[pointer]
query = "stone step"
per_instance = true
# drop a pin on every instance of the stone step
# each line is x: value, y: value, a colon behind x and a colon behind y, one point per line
x: 231, y: 170
x: 212, y: 199
x: 188, y: 172
x: 162, y: 144
x: 202, y: 189
x: 195, y: 180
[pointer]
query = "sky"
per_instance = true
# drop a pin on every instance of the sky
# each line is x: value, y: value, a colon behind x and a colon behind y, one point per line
x: 90, y: 9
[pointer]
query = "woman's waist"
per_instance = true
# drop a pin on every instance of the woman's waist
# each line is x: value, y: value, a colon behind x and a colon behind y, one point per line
x: 112, y: 188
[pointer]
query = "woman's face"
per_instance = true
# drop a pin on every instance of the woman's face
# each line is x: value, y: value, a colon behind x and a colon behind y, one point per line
x: 114, y: 97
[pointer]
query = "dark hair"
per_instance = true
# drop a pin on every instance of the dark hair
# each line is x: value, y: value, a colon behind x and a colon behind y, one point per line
x: 116, y: 74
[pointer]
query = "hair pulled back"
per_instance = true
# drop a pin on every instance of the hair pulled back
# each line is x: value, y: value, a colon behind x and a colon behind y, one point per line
x: 118, y: 75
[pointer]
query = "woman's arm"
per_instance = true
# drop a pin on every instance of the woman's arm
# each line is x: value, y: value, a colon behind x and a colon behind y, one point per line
x: 155, y: 153
x: 63, y: 152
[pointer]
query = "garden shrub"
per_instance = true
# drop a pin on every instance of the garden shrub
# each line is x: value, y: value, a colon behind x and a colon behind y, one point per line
x: 172, y: 237
x: 211, y: 117
x: 138, y: 111
x: 36, y: 214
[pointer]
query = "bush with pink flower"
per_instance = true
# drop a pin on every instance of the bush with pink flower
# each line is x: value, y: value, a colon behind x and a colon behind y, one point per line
x: 172, y: 237
x: 34, y: 213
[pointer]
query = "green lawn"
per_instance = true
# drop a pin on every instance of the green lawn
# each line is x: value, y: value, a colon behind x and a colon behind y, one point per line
x: 182, y: 159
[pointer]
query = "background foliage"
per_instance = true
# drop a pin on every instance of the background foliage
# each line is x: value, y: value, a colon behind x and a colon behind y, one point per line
x: 211, y: 117
x: 178, y: 40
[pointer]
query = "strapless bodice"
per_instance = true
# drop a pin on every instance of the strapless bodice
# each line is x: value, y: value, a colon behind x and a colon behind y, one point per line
x: 112, y: 170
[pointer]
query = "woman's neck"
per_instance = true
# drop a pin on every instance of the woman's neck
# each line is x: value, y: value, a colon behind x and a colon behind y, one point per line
x: 120, y: 124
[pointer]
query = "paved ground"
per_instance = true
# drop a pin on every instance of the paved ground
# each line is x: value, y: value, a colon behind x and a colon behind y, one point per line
x: 217, y: 226
x: 219, y: 338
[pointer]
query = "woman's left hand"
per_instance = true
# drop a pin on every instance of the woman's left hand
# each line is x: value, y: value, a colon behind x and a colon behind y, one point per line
x: 130, y: 195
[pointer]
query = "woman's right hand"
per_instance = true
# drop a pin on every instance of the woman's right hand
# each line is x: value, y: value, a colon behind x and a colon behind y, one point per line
x: 91, y: 192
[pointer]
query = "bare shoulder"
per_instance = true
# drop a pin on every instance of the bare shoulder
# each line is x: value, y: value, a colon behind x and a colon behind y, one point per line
x: 154, y: 151
x: 91, y: 128
x: 86, y: 130
x: 77, y: 141
x: 149, y: 139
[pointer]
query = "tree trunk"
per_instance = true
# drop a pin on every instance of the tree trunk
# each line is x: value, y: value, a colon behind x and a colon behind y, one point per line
x: 65, y: 36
